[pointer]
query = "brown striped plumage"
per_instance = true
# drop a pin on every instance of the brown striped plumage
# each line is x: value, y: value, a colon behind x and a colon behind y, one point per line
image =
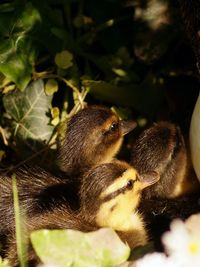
x: 110, y: 194
x: 162, y: 148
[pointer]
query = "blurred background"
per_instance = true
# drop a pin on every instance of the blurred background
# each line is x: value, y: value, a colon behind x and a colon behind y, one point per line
x: 57, y: 56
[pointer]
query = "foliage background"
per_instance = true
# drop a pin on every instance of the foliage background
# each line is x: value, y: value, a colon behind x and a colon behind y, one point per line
x: 56, y: 56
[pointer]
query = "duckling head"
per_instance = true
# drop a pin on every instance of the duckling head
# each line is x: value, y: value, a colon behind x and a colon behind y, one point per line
x: 110, y: 194
x: 161, y: 148
x: 93, y: 135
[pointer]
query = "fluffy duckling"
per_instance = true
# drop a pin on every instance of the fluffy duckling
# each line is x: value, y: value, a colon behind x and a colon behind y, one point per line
x: 112, y: 199
x: 161, y: 148
x: 94, y: 135
x: 110, y: 194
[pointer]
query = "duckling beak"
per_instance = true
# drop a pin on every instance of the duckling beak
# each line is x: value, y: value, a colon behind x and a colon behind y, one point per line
x: 127, y: 126
x: 148, y: 179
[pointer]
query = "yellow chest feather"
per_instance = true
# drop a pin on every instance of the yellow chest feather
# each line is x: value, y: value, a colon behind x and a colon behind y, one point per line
x: 119, y: 215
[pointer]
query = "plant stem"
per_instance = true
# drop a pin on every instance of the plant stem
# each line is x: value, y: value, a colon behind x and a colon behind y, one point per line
x: 18, y: 224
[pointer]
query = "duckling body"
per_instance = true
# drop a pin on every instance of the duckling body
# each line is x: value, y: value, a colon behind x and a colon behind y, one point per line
x: 161, y: 148
x: 115, y: 205
x: 108, y: 192
x: 38, y: 191
x: 94, y: 135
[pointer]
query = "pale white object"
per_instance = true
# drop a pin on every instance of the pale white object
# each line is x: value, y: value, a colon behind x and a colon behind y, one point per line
x: 195, y: 138
x: 182, y: 242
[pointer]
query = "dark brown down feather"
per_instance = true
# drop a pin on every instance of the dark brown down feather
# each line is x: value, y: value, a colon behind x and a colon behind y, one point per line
x: 162, y: 148
x: 52, y: 210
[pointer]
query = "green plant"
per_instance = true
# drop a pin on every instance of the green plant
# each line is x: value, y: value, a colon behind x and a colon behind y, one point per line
x: 74, y: 52
x: 102, y: 248
x: 19, y: 226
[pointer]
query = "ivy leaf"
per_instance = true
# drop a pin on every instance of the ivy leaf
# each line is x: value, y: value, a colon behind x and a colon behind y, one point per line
x: 15, y: 65
x: 51, y: 87
x: 18, y: 52
x: 65, y: 248
x: 145, y: 97
x: 64, y: 59
x: 28, y: 111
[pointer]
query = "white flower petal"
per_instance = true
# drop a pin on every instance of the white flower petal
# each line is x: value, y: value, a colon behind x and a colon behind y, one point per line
x: 155, y: 260
x: 176, y: 240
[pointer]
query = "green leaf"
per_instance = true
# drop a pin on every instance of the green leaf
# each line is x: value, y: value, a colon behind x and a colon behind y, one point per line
x: 17, y: 48
x: 64, y: 248
x: 123, y: 113
x: 64, y: 59
x: 119, y: 72
x: 28, y: 18
x: 4, y: 263
x: 145, y: 97
x: 51, y: 87
x: 19, y: 224
x: 13, y: 64
x: 28, y: 111
x: 6, y: 18
x: 55, y: 113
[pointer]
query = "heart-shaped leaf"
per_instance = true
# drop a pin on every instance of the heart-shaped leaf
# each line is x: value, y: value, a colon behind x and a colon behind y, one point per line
x: 18, y: 52
x: 64, y: 59
x: 64, y: 248
x: 28, y: 111
x: 51, y: 87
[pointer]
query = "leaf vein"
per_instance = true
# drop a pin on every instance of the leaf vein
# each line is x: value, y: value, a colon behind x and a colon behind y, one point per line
x: 15, y: 107
x: 31, y: 107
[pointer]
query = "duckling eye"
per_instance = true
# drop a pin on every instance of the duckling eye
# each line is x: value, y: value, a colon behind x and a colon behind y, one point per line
x: 129, y: 184
x: 114, y: 126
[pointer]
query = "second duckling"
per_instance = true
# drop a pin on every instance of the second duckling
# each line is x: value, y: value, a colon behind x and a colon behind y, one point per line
x: 162, y: 148
x: 110, y: 194
x: 112, y: 199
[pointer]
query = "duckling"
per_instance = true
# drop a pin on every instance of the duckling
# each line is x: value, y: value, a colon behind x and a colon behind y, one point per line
x: 94, y: 135
x: 109, y: 193
x: 38, y: 190
x: 112, y: 198
x: 162, y: 148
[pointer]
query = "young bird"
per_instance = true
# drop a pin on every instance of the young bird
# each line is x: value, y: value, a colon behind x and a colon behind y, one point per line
x: 161, y: 148
x: 94, y: 135
x: 112, y: 199
x: 110, y: 194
